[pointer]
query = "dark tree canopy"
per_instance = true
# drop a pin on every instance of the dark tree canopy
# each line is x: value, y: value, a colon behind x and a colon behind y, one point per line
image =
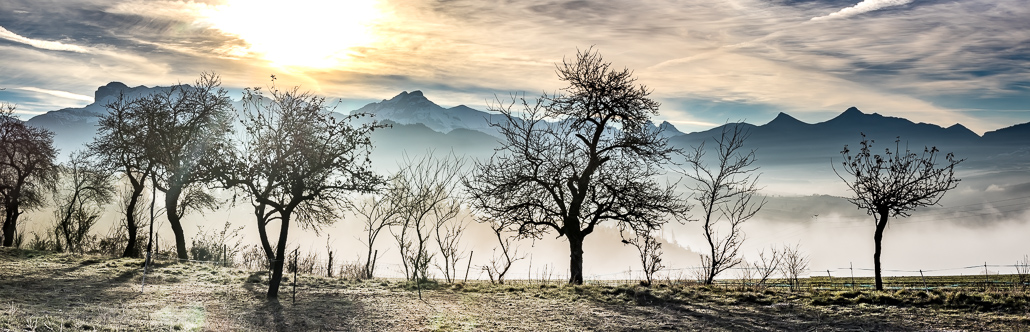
x: 27, y: 169
x: 187, y: 130
x: 895, y: 183
x: 297, y: 164
x: 121, y: 145
x: 597, y: 162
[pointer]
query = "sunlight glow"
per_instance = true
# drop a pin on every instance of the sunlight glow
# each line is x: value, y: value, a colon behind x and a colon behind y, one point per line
x: 301, y: 33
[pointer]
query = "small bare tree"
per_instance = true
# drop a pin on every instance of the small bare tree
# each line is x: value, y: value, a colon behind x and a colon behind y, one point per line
x: 500, y: 264
x: 650, y: 251
x: 448, y: 238
x: 425, y: 190
x: 892, y: 184
x: 765, y: 266
x: 82, y: 191
x: 1023, y: 272
x: 379, y: 212
x: 726, y: 193
x: 793, y: 264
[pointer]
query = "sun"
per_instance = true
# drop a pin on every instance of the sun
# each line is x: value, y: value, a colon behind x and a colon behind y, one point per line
x: 299, y: 33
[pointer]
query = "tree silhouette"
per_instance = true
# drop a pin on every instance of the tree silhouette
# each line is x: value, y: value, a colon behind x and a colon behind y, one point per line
x: 596, y: 163
x: 725, y: 191
x: 296, y: 163
x: 186, y: 130
x: 121, y: 145
x: 27, y: 169
x: 892, y: 184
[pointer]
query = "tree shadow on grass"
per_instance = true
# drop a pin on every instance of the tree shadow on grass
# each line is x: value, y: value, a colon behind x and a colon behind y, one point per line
x: 315, y: 308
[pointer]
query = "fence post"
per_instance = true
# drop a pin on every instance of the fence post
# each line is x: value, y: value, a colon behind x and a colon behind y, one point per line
x: 851, y: 266
x: 295, y: 268
x: 924, y: 280
x: 468, y: 267
x: 225, y: 255
x: 987, y: 277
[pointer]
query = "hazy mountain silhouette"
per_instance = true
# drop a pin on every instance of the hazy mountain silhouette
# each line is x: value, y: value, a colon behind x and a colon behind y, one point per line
x: 421, y: 124
x: 414, y: 108
x: 787, y: 140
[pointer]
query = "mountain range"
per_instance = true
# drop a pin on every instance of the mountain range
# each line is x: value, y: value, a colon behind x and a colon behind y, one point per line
x: 420, y: 124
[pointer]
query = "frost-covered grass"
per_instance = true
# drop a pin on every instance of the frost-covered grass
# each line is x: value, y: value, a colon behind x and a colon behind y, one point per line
x: 41, y: 291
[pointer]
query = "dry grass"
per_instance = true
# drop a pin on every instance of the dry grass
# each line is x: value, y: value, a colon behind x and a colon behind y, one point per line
x: 56, y: 292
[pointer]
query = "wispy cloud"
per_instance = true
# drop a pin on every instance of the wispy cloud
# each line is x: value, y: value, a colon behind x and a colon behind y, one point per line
x: 56, y: 93
x: 42, y: 44
x: 862, y: 7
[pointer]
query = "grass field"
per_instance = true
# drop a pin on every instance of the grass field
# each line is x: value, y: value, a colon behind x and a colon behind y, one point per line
x: 42, y: 291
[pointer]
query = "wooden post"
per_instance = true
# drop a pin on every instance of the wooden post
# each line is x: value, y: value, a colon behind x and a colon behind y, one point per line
x: 831, y: 278
x: 924, y: 279
x: 987, y: 277
x: 468, y: 267
x: 225, y: 255
x: 295, y: 268
x: 852, y: 268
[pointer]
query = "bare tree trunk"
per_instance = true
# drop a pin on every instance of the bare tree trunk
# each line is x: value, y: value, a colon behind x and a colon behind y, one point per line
x: 262, y: 222
x: 576, y: 259
x: 877, y: 238
x: 280, y: 257
x: 131, y: 224
x: 10, y: 224
x: 174, y: 219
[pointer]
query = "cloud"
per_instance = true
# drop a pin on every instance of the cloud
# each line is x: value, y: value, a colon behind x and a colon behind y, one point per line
x: 56, y: 93
x: 863, y: 7
x: 42, y: 44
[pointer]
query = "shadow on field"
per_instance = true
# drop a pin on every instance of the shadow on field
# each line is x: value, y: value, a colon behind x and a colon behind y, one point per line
x: 316, y: 308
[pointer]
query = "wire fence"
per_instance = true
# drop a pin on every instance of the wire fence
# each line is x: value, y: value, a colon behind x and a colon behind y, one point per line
x: 969, y: 277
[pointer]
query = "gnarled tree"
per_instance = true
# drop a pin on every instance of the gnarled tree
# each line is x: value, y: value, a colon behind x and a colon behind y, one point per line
x: 297, y: 163
x: 894, y: 183
x: 187, y: 130
x: 598, y: 161
x: 27, y: 169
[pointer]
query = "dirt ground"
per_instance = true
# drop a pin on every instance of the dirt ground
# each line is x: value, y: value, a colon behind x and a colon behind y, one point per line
x: 59, y: 292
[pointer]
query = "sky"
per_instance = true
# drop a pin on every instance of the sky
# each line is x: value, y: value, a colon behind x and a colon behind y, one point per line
x: 707, y: 61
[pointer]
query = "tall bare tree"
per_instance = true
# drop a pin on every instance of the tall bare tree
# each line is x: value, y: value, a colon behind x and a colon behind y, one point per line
x: 84, y: 187
x: 298, y: 163
x: 725, y: 192
x: 597, y: 163
x: 894, y: 183
x: 27, y: 169
x: 121, y: 144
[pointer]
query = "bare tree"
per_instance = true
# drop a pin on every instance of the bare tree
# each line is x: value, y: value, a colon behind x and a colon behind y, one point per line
x: 1023, y: 272
x: 82, y: 191
x: 766, y: 265
x: 299, y: 162
x: 650, y: 251
x: 793, y: 264
x: 121, y: 145
x: 27, y: 169
x: 725, y: 191
x: 892, y: 184
x: 501, y: 262
x: 448, y: 238
x: 426, y: 192
x: 379, y: 212
x: 597, y: 163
